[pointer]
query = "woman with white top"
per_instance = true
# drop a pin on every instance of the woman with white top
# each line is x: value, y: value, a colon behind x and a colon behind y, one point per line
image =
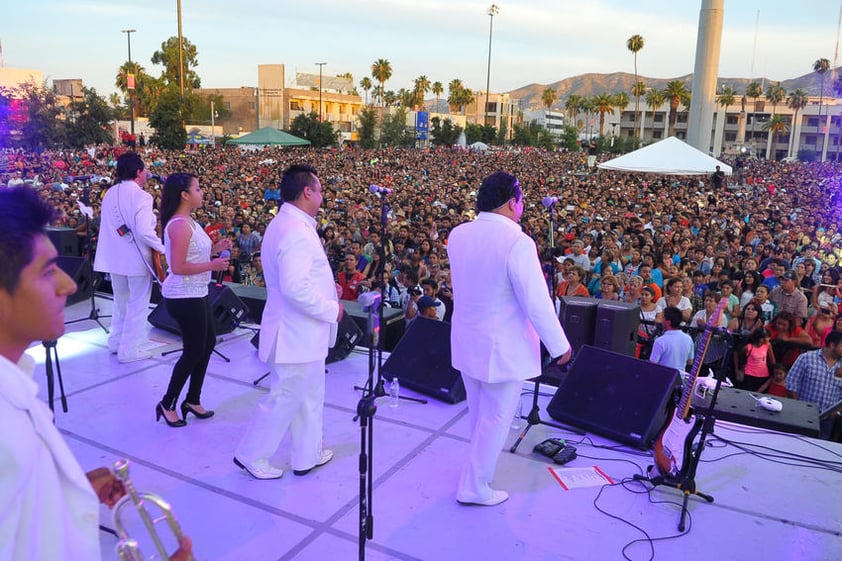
x: 185, y: 291
x: 673, y: 297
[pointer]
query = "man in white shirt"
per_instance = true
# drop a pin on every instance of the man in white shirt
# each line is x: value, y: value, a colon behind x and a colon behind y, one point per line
x: 48, y: 506
x: 502, y: 312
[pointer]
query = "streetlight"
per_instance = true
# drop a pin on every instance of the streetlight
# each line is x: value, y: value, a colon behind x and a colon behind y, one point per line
x: 130, y: 82
x: 320, y: 65
x: 492, y: 11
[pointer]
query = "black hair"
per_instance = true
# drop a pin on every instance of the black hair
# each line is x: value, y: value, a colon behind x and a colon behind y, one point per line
x: 758, y: 335
x: 673, y: 315
x: 128, y: 166
x: 296, y: 178
x: 174, y: 186
x: 833, y: 338
x: 23, y: 217
x: 496, y: 190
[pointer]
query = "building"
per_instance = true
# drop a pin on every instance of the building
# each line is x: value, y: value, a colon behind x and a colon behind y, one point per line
x: 553, y: 121
x: 501, y: 110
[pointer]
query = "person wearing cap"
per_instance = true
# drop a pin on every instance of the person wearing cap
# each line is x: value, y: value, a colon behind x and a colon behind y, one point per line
x: 428, y: 308
x: 502, y: 313
x: 788, y: 298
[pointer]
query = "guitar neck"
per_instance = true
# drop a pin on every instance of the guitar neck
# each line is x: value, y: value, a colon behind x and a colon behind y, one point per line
x: 683, y: 408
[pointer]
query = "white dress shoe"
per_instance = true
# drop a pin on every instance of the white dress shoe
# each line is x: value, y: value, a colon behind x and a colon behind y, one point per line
x: 496, y: 498
x: 324, y: 457
x: 260, y: 469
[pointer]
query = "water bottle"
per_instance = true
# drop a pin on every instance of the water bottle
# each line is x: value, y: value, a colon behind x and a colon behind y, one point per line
x: 394, y: 392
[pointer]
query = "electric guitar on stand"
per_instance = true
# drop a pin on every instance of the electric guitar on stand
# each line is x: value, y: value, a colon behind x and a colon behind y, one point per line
x: 675, y: 440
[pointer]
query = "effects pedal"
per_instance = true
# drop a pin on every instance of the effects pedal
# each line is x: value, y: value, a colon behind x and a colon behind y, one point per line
x: 549, y: 447
x: 566, y: 454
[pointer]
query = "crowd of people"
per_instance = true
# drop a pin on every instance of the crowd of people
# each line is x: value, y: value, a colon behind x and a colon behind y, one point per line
x: 769, y: 239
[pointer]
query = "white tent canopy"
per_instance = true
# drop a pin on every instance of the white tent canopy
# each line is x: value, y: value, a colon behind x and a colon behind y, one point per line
x: 670, y: 156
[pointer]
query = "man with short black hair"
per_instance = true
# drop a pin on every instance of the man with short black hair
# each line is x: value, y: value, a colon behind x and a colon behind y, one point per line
x: 674, y: 348
x: 787, y: 298
x: 816, y: 377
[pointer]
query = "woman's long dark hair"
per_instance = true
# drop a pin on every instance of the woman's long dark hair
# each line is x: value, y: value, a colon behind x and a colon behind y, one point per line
x: 175, y: 184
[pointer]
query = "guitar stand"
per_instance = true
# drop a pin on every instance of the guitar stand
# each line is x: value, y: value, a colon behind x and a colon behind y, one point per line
x: 534, y: 417
x: 219, y: 354
x: 685, y: 481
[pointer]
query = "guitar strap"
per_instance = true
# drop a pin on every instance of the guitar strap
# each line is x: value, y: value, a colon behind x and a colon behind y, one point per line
x: 133, y: 239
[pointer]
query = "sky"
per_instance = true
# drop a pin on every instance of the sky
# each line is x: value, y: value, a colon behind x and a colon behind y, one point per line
x: 533, y: 41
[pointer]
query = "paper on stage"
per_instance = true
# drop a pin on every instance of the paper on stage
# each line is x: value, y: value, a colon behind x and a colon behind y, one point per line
x: 570, y: 478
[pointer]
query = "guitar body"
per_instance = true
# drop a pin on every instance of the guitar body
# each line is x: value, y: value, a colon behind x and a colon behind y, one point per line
x: 675, y: 441
x: 159, y: 266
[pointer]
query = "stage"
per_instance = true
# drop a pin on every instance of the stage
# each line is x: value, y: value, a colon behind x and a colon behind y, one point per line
x: 777, y: 496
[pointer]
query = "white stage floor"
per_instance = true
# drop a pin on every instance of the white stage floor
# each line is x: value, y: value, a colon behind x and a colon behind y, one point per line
x: 771, y: 507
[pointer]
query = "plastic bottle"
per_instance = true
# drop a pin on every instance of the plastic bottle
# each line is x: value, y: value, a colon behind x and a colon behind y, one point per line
x: 394, y: 392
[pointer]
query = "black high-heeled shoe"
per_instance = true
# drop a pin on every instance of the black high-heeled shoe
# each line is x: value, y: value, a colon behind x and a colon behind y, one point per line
x: 159, y: 412
x: 188, y: 408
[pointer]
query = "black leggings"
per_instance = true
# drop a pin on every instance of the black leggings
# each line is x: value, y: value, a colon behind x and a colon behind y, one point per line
x: 197, y: 333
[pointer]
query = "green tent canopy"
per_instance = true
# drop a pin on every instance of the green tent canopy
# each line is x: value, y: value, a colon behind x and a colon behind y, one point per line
x: 269, y: 136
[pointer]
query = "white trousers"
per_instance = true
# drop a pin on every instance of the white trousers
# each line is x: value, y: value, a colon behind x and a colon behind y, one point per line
x: 131, y: 307
x: 296, y: 403
x: 491, y: 407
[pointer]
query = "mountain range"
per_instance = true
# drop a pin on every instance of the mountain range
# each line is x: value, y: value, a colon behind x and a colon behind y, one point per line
x: 590, y: 84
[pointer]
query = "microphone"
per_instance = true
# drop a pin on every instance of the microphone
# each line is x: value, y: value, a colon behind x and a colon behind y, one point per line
x: 157, y: 177
x: 549, y: 202
x: 380, y: 190
x: 224, y: 254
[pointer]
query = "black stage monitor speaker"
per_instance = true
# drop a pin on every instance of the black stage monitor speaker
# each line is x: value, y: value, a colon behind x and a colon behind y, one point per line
x: 616, y: 326
x: 616, y: 396
x: 79, y: 269
x: 254, y: 297
x: 226, y: 308
x: 66, y: 241
x: 421, y: 361
x: 391, y: 331
x: 348, y: 336
x: 578, y: 318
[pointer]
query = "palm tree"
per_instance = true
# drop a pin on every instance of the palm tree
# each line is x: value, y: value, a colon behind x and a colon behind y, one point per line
x: 437, y: 89
x: 377, y: 93
x: 422, y: 86
x: 821, y: 67
x: 775, y: 94
x: 677, y: 94
x: 776, y: 125
x: 571, y: 105
x: 365, y: 84
x: 381, y: 70
x: 635, y: 44
x: 754, y: 91
x: 796, y: 101
x: 405, y: 98
x: 587, y: 105
x: 459, y: 97
x: 548, y: 97
x: 727, y: 98
x: 638, y: 90
x: 603, y: 103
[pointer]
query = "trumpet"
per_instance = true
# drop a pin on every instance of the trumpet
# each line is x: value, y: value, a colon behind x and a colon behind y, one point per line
x: 128, y: 548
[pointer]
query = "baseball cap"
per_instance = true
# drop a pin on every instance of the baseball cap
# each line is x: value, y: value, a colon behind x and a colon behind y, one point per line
x: 426, y: 302
x: 789, y: 275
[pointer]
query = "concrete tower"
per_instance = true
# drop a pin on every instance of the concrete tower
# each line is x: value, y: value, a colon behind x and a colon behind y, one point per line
x: 705, y: 73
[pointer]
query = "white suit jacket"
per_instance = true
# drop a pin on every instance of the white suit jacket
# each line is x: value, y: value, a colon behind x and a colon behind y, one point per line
x: 126, y: 203
x: 48, y: 509
x: 501, y: 305
x: 299, y: 321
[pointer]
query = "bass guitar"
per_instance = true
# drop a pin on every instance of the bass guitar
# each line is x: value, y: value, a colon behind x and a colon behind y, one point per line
x: 673, y: 444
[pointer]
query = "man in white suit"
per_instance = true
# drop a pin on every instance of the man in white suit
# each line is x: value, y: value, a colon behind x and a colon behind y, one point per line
x: 49, y: 507
x: 127, y: 238
x: 502, y: 311
x: 299, y: 326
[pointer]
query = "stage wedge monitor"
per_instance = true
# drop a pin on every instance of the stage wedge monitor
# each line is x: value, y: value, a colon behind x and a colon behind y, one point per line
x: 421, y: 361
x: 227, y: 311
x: 616, y: 396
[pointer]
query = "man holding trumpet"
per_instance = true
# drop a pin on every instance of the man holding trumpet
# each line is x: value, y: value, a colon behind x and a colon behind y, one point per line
x: 48, y: 505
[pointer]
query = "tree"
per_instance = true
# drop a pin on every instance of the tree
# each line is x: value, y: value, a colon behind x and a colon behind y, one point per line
x: 459, y: 96
x: 422, y: 86
x: 571, y: 106
x: 167, y: 119
x: 676, y: 93
x: 821, y: 67
x: 570, y: 138
x: 365, y: 84
x: 319, y: 133
x: 405, y: 98
x: 603, y: 103
x: 202, y: 108
x: 548, y: 97
x: 393, y: 131
x: 621, y: 101
x: 90, y: 121
x: 775, y: 93
x: 41, y: 127
x: 727, y: 98
x: 796, y: 101
x: 775, y: 126
x: 635, y: 44
x: 473, y: 132
x: 754, y: 91
x: 437, y: 89
x: 444, y: 133
x: 367, y: 118
x: 168, y: 57
x: 381, y: 70
x: 377, y: 93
